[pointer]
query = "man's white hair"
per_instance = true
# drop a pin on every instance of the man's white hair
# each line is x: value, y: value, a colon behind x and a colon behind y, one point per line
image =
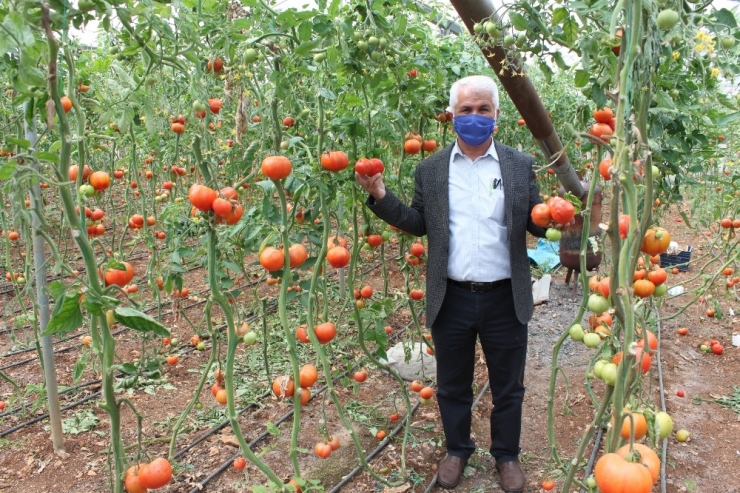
x: 478, y: 82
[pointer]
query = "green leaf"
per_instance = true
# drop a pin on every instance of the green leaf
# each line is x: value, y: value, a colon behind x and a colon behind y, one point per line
x: 48, y: 156
x: 582, y: 78
x: 22, y: 143
x: 57, y: 289
x: 726, y: 120
x: 67, y: 316
x: 7, y: 169
x: 80, y: 366
x: 559, y: 61
x: 726, y: 17
x: 124, y: 77
x: 272, y: 429
x: 305, y: 48
x: 30, y: 75
x: 559, y: 15
x: 134, y: 319
x: 570, y: 30
x: 16, y: 33
x: 519, y: 22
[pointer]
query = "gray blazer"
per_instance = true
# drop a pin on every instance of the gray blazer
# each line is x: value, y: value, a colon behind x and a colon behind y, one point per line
x: 429, y: 215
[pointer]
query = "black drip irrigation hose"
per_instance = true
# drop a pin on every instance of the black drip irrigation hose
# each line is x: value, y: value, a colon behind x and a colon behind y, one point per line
x: 187, y: 350
x: 146, y: 310
x: 383, y: 444
x: 597, y: 441
x: 201, y: 485
x: 46, y: 415
x: 65, y: 391
x: 54, y: 277
x: 57, y: 351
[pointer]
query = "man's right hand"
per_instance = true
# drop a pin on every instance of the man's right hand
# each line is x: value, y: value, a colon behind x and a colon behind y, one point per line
x: 372, y: 184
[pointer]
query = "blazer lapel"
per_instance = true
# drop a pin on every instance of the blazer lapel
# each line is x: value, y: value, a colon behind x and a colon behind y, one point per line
x: 506, y: 162
x: 442, y: 169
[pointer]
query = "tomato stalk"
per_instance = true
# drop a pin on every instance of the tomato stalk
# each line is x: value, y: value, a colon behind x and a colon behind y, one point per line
x: 232, y: 342
x: 95, y: 290
x: 289, y: 334
x: 326, y: 365
x: 554, y: 367
x: 191, y: 404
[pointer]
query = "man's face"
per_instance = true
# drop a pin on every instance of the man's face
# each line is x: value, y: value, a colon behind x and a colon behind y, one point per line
x: 472, y: 101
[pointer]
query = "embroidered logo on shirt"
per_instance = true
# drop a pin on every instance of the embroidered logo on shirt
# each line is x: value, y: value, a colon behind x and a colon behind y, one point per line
x: 497, y: 184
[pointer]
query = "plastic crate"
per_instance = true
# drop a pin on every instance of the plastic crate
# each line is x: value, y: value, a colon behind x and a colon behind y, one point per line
x: 680, y: 260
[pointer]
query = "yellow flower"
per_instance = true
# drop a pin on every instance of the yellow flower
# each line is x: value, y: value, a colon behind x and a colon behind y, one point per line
x: 676, y: 55
x: 715, y: 72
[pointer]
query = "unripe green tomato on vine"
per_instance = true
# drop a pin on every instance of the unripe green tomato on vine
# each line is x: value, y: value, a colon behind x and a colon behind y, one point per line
x: 478, y: 27
x: 553, y: 234
x: 599, y: 366
x: 576, y: 332
x: 609, y: 374
x: 591, y: 340
x: 250, y: 55
x: 727, y: 42
x: 319, y: 57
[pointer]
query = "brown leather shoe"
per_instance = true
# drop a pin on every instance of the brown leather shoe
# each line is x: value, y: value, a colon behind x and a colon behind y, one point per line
x: 450, y: 471
x: 511, y: 477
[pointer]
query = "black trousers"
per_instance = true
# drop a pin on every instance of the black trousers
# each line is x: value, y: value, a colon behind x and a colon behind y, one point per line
x: 463, y: 318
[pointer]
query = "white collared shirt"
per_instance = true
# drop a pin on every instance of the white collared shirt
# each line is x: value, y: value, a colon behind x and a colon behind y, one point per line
x: 479, y: 248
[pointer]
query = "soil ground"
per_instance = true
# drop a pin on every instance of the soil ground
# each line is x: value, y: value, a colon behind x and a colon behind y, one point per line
x: 708, y: 462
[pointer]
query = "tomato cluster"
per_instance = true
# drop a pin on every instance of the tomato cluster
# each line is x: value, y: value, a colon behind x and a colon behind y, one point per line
x: 369, y: 166
x: 556, y: 210
x: 223, y: 203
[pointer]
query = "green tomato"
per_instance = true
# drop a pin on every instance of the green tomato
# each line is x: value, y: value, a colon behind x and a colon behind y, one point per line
x: 373, y: 41
x: 284, y: 145
x: 665, y: 424
x: 383, y: 42
x: 376, y: 55
x: 426, y: 402
x: 386, y: 235
x: 576, y: 332
x: 660, y: 290
x: 362, y: 45
x: 609, y: 374
x: 598, y: 304
x: 520, y: 40
x: 201, y: 346
x: 87, y: 190
x: 199, y: 405
x: 174, y: 342
x: 509, y: 40
x: 727, y: 42
x: 591, y: 482
x: 21, y: 280
x: 319, y: 57
x: 667, y: 19
x: 478, y: 27
x: 553, y: 234
x: 492, y: 29
x: 599, y: 367
x: 85, y: 5
x: 250, y: 55
x: 199, y: 106
x: 591, y: 340
x: 250, y: 338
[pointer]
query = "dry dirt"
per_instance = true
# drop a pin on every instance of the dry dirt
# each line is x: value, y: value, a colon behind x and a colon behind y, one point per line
x: 708, y: 462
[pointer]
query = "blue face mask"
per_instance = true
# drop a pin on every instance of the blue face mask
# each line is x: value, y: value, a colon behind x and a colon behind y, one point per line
x: 473, y: 129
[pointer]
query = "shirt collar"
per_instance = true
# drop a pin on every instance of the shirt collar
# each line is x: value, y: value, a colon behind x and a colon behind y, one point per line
x: 456, y: 151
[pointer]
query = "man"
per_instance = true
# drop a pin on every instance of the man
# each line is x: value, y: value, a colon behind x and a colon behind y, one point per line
x: 473, y: 201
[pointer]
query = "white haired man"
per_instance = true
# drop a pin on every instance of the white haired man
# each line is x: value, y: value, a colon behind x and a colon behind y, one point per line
x: 473, y: 201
